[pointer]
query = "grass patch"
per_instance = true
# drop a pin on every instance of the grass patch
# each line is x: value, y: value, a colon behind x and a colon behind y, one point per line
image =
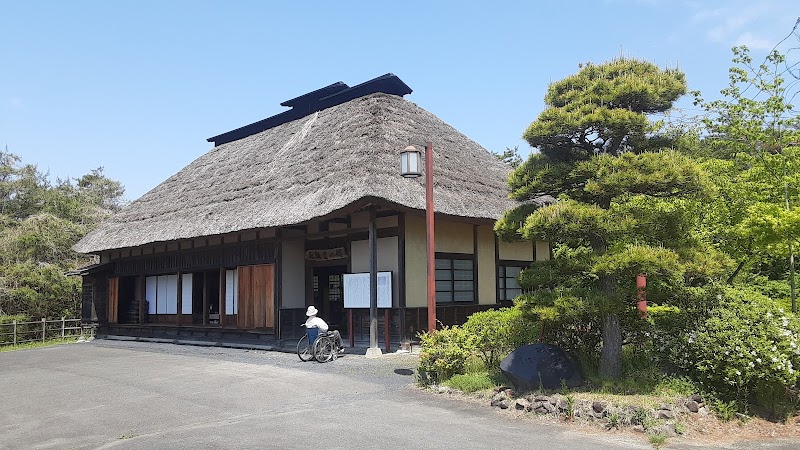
x: 657, y: 440
x: 30, y: 345
x: 476, y: 381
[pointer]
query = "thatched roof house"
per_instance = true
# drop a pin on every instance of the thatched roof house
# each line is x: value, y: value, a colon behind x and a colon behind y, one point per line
x: 290, y: 181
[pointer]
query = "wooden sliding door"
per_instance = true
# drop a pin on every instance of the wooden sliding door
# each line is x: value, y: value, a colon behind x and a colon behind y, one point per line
x: 256, y: 296
x: 113, y: 299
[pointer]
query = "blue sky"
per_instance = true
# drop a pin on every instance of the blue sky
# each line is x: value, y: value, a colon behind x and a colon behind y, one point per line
x: 137, y: 86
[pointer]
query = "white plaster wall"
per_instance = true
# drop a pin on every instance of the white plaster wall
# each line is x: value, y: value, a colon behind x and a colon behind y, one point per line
x: 515, y: 251
x: 453, y: 237
x: 416, y: 268
x: 293, y: 273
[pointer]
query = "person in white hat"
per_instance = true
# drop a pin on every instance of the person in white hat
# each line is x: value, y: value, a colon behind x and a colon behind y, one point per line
x: 315, y: 322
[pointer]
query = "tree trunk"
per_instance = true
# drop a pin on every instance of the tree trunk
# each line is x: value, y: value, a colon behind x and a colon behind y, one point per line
x: 611, y: 356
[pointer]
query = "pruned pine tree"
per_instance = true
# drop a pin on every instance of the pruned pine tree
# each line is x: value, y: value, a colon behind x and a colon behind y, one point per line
x: 625, y: 205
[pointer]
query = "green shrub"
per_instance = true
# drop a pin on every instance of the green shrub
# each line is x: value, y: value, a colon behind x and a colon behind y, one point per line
x: 10, y: 319
x: 496, y: 333
x: 444, y: 353
x: 675, y: 386
x: 471, y: 382
x: 39, y: 290
x: 6, y: 329
x: 747, y: 346
x: 725, y: 411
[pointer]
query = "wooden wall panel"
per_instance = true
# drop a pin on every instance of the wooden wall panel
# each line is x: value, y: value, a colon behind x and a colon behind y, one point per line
x: 113, y: 299
x: 256, y: 296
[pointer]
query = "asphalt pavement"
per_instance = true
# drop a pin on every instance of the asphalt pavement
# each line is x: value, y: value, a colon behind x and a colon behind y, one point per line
x: 106, y: 394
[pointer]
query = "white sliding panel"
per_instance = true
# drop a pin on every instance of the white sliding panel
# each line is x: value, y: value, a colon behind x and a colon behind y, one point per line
x: 231, y: 292
x: 172, y: 294
x: 150, y: 294
x: 186, y: 294
x: 161, y: 289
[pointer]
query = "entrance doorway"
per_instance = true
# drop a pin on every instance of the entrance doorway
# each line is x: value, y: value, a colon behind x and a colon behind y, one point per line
x: 328, y: 288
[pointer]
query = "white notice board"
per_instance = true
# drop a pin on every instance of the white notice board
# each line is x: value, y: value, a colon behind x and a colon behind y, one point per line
x: 356, y: 290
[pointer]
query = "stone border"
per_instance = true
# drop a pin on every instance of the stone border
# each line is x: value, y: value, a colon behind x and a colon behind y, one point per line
x: 661, y: 420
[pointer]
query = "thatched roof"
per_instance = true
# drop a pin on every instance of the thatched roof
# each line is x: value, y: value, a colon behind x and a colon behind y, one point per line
x: 308, y: 168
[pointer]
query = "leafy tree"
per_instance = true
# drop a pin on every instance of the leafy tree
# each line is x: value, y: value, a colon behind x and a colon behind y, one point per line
x: 625, y: 206
x: 40, y: 221
x: 756, y: 127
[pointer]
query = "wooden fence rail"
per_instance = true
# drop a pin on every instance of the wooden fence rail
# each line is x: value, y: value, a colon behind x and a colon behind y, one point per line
x: 16, y: 333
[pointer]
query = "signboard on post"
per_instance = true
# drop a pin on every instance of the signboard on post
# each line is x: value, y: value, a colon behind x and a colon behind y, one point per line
x: 356, y: 290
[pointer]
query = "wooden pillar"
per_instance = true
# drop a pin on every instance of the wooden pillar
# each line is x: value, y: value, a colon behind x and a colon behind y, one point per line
x: 142, y: 290
x: 387, y: 329
x: 205, y: 298
x: 222, y: 296
x: 180, y: 298
x: 351, y: 325
x: 277, y: 303
x: 405, y: 339
x: 373, y: 281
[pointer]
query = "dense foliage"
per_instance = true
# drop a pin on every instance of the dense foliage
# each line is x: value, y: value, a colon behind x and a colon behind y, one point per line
x: 754, y: 148
x: 487, y: 336
x: 39, y: 223
x: 627, y: 205
x: 708, y: 212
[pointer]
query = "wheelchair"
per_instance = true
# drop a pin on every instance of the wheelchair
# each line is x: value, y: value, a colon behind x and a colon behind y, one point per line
x: 316, y: 345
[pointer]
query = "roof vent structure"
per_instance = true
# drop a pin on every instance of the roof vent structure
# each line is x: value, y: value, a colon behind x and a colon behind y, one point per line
x: 331, y: 95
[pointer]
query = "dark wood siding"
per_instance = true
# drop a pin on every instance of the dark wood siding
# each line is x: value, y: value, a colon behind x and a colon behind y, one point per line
x: 113, y: 299
x: 238, y: 254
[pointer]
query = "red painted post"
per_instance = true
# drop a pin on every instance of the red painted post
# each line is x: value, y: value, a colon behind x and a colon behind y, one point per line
x: 641, y: 294
x: 431, y: 247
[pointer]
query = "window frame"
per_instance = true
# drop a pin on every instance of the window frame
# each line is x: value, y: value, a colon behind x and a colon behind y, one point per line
x: 453, y: 279
x: 502, y: 289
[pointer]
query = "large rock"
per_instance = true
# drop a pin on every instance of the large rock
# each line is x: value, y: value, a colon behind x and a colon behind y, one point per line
x: 535, y: 366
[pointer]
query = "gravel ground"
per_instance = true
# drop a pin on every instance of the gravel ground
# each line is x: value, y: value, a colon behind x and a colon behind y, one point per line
x: 107, y: 394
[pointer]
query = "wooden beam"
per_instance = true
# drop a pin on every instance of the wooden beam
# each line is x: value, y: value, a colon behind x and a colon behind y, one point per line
x: 357, y: 234
x: 387, y: 213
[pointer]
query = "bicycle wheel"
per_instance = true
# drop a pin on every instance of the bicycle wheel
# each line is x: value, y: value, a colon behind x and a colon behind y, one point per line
x: 304, y: 351
x: 324, y: 349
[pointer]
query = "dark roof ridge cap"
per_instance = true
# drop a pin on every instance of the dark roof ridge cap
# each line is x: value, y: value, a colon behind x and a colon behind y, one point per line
x: 309, y: 103
x: 386, y: 76
x: 327, y: 91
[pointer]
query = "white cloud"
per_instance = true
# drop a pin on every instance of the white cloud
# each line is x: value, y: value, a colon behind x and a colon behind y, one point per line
x: 759, y: 25
x: 754, y: 42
